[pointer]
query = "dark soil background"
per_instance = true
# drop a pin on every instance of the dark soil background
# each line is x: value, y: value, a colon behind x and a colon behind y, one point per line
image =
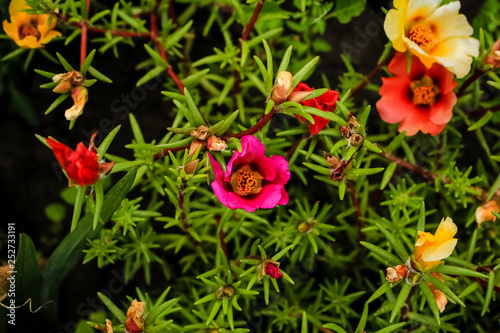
x: 30, y: 178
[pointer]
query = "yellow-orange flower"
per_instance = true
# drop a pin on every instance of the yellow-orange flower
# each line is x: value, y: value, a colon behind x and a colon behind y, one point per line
x: 433, y: 33
x: 484, y: 212
x: 431, y: 249
x: 29, y: 31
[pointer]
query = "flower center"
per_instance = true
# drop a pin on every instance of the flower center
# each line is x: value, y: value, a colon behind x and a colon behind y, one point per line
x: 29, y: 29
x: 421, y: 35
x: 424, y: 91
x: 246, y: 181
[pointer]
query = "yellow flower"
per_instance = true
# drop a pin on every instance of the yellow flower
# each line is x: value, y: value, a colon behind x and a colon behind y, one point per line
x: 432, y: 33
x: 29, y: 31
x: 431, y: 249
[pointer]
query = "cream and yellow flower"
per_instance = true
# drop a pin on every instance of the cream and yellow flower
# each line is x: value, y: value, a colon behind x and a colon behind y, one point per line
x: 433, y: 33
x: 29, y: 31
x: 431, y: 249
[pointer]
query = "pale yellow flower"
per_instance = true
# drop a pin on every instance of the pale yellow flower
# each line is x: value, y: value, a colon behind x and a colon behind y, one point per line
x: 433, y: 33
x: 431, y: 249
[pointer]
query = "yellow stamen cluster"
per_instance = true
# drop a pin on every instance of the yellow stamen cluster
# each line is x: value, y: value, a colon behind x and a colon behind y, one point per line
x: 421, y: 35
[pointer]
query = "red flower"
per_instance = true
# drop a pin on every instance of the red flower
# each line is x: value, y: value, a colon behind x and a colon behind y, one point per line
x: 273, y: 271
x: 325, y: 102
x: 81, y: 165
x: 421, y: 100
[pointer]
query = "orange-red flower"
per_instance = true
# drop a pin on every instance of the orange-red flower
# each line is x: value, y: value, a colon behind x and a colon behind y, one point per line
x: 29, y: 31
x: 422, y: 99
x: 81, y: 165
x: 325, y: 102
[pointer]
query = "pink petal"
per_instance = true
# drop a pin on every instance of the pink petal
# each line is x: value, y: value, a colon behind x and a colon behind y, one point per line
x: 282, y: 171
x: 269, y: 196
x: 219, y: 175
x: 284, y: 197
x: 251, y: 149
x: 234, y: 201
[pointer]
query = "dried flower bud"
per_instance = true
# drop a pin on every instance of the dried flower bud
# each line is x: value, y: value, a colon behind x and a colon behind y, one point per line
x: 332, y: 161
x: 135, y: 322
x: 352, y: 122
x: 191, y: 167
x: 396, y: 273
x: 282, y: 88
x: 484, y: 212
x: 439, y: 296
x: 225, y: 292
x: 345, y: 131
x: 356, y: 140
x: 80, y: 96
x: 216, y: 144
x: 201, y: 133
x: 494, y: 56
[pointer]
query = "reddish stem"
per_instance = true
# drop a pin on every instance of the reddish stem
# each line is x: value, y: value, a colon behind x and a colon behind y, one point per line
x: 255, y: 128
x: 83, y: 46
x: 427, y: 174
x: 161, y: 50
x: 165, y: 151
x: 481, y: 112
x: 246, y: 32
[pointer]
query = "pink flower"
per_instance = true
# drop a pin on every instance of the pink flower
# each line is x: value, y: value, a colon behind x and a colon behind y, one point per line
x: 251, y: 180
x: 325, y: 102
x: 273, y: 271
x: 420, y: 100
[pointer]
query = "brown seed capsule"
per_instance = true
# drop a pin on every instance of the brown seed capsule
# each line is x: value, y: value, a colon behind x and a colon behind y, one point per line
x: 356, y: 140
x: 201, y: 133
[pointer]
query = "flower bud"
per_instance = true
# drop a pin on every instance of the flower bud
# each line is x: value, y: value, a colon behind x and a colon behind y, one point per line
x: 135, y: 322
x: 80, y: 96
x: 191, y: 167
x: 484, y: 212
x: 273, y: 270
x: 282, y: 88
x: 216, y: 144
x: 225, y: 292
x: 396, y: 273
x: 494, y: 56
x: 63, y: 87
x: 195, y: 144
